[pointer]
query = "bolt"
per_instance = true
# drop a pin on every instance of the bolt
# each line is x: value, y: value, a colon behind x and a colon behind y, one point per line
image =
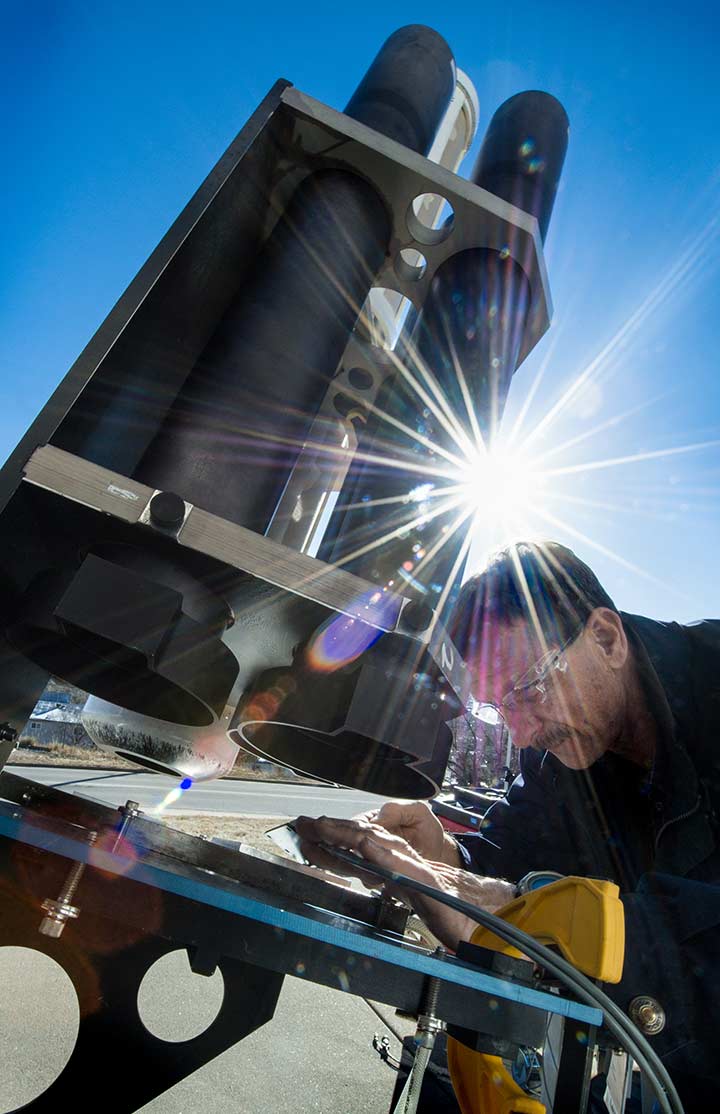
x: 417, y: 616
x: 58, y: 911
x: 429, y: 1025
x: 433, y: 987
x: 72, y: 882
x: 167, y: 510
x: 128, y: 811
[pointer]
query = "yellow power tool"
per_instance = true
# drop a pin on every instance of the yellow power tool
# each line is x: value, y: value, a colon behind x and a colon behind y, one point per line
x: 584, y: 919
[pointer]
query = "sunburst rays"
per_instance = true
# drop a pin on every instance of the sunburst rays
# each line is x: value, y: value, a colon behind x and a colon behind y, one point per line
x: 458, y: 490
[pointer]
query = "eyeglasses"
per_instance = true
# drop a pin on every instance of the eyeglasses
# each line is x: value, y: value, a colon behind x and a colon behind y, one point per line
x: 532, y: 687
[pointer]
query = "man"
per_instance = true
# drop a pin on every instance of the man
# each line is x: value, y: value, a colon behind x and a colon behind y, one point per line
x: 617, y: 719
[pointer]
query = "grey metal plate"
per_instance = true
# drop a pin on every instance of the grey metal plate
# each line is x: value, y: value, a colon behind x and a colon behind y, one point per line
x: 480, y: 218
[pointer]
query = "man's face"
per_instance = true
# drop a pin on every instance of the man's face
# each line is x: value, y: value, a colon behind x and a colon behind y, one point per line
x: 577, y: 718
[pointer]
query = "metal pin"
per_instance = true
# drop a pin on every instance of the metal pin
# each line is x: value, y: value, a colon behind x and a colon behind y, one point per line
x: 129, y: 811
x: 60, y: 910
x: 429, y: 1024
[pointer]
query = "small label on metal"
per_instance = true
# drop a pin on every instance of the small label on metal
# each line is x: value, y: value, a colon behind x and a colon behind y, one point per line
x: 447, y: 657
x: 123, y: 493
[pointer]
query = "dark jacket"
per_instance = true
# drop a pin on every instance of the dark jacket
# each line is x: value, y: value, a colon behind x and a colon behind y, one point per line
x: 655, y: 833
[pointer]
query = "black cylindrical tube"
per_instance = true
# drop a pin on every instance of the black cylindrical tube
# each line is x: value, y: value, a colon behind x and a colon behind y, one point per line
x: 472, y: 324
x: 235, y: 431
x: 523, y: 152
x: 243, y: 414
x: 237, y: 426
x: 405, y: 92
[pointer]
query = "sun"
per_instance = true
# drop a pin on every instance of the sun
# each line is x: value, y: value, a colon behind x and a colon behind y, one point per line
x: 500, y: 484
x: 471, y: 490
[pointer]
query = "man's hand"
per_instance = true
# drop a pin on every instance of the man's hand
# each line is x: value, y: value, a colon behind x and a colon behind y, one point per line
x: 378, y: 845
x: 416, y: 823
x: 413, y: 821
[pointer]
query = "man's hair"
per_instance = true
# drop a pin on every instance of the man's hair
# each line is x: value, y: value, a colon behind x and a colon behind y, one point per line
x: 542, y: 584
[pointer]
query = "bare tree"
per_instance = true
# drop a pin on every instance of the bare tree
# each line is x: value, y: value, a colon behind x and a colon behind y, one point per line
x: 478, y: 753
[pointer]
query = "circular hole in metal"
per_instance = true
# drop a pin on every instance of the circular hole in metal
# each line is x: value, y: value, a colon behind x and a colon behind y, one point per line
x: 383, y: 315
x: 430, y: 218
x: 39, y: 1023
x: 360, y: 378
x: 174, y: 1003
x: 410, y: 265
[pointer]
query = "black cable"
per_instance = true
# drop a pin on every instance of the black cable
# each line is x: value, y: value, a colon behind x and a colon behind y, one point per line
x: 398, y: 1036
x: 616, y: 1021
x: 382, y: 1047
x: 440, y: 1075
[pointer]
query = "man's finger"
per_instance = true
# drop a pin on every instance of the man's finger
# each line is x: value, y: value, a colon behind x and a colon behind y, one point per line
x: 392, y: 853
x: 326, y: 829
x: 371, y: 816
x: 325, y: 859
x: 318, y: 857
x: 394, y: 814
x: 415, y: 822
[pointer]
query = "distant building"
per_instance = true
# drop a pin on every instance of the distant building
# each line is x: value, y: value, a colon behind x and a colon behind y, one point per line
x: 56, y: 719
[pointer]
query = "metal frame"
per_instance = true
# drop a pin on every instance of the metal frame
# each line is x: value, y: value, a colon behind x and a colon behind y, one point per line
x: 151, y: 331
x: 155, y: 892
x: 148, y: 896
x: 106, y: 492
x: 226, y: 176
x: 480, y: 219
x: 289, y: 136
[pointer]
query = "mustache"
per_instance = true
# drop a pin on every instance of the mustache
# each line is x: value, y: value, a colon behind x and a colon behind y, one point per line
x: 551, y: 737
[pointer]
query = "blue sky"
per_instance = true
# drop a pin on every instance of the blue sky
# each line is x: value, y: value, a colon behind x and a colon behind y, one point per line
x: 117, y: 112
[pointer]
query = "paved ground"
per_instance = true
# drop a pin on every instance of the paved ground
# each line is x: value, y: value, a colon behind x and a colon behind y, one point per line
x: 315, y: 1055
x: 259, y: 798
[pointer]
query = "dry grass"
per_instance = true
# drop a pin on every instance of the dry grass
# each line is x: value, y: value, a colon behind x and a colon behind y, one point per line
x: 59, y: 754
x: 249, y: 829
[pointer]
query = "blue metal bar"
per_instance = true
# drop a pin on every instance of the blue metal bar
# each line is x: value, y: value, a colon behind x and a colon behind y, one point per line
x: 372, y: 946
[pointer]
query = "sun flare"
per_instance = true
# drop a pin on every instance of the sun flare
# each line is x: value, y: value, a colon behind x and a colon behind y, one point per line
x: 500, y: 483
